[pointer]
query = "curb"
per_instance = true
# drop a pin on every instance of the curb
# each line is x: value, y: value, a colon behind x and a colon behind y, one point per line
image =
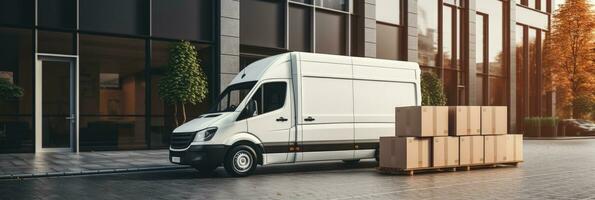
x: 88, y: 172
x: 560, y: 138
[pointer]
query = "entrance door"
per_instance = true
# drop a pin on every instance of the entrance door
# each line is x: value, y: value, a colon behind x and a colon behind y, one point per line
x: 55, y: 103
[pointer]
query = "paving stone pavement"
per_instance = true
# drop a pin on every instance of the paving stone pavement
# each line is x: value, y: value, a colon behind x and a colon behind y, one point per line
x: 23, y: 165
x: 553, y: 169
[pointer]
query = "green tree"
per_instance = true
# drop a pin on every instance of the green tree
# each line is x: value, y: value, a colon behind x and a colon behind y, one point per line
x: 432, y: 90
x: 185, y: 81
x: 9, y: 91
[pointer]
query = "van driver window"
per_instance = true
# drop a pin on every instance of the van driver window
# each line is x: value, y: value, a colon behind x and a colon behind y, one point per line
x: 270, y: 97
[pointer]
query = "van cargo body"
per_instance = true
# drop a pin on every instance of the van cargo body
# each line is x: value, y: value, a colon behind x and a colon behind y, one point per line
x: 296, y: 107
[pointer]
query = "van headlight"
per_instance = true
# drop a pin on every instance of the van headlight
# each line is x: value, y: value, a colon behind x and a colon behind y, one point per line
x: 205, y: 134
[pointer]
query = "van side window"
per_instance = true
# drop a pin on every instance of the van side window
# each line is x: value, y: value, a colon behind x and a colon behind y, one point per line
x: 268, y: 97
x: 273, y: 96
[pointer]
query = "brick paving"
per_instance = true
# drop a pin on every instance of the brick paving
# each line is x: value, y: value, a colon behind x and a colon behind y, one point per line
x: 553, y: 169
x: 25, y: 165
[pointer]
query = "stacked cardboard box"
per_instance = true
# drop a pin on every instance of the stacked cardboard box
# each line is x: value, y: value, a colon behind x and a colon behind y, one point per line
x: 441, y: 136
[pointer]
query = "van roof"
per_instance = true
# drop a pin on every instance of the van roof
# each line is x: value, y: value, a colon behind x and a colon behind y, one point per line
x: 254, y: 71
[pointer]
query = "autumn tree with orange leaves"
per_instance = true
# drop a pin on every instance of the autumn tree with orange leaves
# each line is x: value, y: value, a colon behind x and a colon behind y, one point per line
x: 569, y: 59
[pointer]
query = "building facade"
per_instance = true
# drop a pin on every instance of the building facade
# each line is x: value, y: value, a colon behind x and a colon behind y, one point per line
x: 89, y: 69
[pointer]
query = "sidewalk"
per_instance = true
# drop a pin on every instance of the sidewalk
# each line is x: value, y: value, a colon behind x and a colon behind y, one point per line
x: 26, y: 165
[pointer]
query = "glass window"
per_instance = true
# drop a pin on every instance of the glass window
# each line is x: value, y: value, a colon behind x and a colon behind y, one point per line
x: 273, y: 96
x: 497, y: 96
x: 543, y: 5
x: 16, y: 65
x: 115, y: 16
x: 303, y: 1
x: 388, y: 11
x: 55, y: 42
x: 57, y: 13
x: 264, y: 28
x: 447, y: 37
x: 333, y: 4
x: 480, y: 94
x: 299, y: 28
x: 480, y: 42
x: 520, y: 76
x: 17, y: 12
x: 269, y: 97
x: 533, y: 72
x: 112, y: 85
x: 183, y: 19
x: 233, y: 95
x: 389, y: 37
x: 427, y: 32
x: 331, y: 35
x: 531, y: 3
x: 495, y: 29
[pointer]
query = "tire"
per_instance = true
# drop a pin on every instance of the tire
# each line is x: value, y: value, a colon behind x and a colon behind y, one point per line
x: 351, y: 162
x: 240, y: 161
x: 205, y: 169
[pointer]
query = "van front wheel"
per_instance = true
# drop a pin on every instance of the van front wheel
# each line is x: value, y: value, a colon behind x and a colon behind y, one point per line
x: 240, y: 161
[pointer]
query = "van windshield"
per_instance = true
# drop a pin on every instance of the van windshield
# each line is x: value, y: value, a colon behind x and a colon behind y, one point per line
x: 232, y: 96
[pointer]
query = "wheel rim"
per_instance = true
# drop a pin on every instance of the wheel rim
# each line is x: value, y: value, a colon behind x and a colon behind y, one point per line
x: 242, y: 161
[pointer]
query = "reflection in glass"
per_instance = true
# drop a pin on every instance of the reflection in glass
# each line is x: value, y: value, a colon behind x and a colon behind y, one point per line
x: 330, y: 32
x: 480, y: 43
x: 520, y: 76
x: 193, y: 19
x: 114, y: 16
x: 55, y: 42
x: 16, y: 64
x: 388, y: 41
x: 533, y: 73
x: 299, y: 28
x: 388, y: 11
x: 57, y: 13
x: 447, y: 26
x: 497, y: 91
x: 427, y: 32
x: 56, y: 105
x: 264, y: 28
x: 112, y: 111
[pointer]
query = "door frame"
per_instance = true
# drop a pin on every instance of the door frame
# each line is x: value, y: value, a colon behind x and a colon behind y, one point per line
x: 74, y: 99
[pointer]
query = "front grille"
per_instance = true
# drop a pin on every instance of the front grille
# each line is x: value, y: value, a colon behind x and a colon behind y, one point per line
x: 181, y: 140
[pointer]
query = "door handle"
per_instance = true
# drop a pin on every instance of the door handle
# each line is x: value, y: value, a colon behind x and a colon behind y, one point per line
x: 309, y: 119
x: 281, y: 119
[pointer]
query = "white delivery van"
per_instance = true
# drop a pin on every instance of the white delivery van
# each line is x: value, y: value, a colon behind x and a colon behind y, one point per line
x: 299, y: 107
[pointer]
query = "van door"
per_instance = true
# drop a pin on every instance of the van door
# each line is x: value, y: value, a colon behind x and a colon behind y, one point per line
x: 272, y: 120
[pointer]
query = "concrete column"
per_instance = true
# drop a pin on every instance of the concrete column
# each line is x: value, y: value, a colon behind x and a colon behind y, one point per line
x: 411, y: 20
x: 470, y: 43
x: 370, y: 28
x: 229, y: 38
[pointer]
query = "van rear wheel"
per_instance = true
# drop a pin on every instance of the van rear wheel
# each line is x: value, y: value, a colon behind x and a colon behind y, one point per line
x: 240, y: 161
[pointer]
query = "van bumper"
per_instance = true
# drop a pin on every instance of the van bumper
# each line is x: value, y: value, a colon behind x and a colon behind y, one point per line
x: 199, y: 155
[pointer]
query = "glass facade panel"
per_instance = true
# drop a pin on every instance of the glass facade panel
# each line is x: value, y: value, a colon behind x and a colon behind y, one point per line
x: 264, y: 28
x: 427, y: 27
x: 333, y: 4
x: 520, y: 76
x: 497, y: 91
x: 162, y: 118
x: 112, y: 87
x: 17, y: 12
x: 533, y: 73
x: 388, y: 46
x: 495, y: 37
x: 57, y: 13
x: 388, y: 11
x: 479, y: 93
x: 480, y: 43
x: 183, y: 19
x: 300, y: 28
x: 331, y: 36
x: 55, y: 42
x: 114, y: 16
x: 447, y: 37
x: 16, y: 66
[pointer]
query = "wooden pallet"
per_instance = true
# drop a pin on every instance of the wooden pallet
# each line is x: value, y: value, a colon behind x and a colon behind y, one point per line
x: 412, y: 171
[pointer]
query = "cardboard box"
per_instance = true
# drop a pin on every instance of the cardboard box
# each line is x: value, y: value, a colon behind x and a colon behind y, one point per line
x: 471, y: 150
x: 421, y: 121
x: 514, y: 145
x: 445, y: 151
x: 495, y: 149
x: 464, y: 120
x: 494, y: 120
x: 404, y: 152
